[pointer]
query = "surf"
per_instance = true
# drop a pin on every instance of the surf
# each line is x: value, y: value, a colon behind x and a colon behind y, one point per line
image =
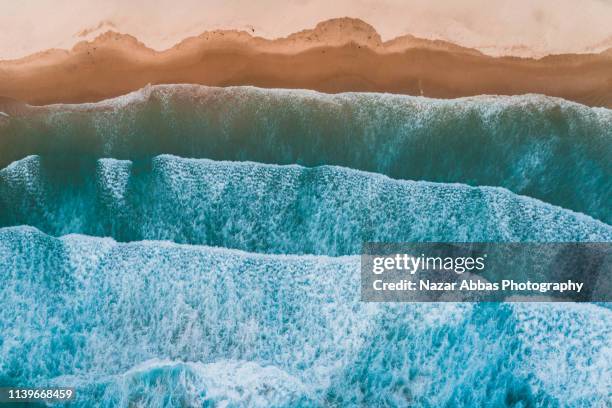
x: 543, y: 147
x: 326, y: 210
x: 161, y: 324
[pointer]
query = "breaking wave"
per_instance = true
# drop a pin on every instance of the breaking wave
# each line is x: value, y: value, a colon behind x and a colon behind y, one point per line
x: 230, y: 277
x: 158, y: 324
x: 538, y: 146
x: 272, y: 209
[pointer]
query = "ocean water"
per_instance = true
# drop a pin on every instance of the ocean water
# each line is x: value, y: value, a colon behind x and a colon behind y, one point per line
x: 159, y: 324
x: 542, y: 147
x: 325, y: 210
x: 187, y: 246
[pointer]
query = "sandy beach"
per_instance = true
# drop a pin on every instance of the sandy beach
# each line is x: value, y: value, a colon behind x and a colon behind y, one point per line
x: 338, y: 55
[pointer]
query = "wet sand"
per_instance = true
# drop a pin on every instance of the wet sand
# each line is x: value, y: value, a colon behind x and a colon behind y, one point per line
x: 337, y: 56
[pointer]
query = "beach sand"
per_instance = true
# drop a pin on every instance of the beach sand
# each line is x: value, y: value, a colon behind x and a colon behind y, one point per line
x: 338, y: 55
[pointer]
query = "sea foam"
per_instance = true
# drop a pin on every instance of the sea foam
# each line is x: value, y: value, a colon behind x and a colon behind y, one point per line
x: 268, y: 208
x: 543, y: 147
x: 159, y: 324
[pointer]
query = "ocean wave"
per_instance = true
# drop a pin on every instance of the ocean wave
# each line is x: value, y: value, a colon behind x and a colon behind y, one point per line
x: 226, y: 383
x: 161, y: 324
x: 543, y: 147
x: 268, y: 208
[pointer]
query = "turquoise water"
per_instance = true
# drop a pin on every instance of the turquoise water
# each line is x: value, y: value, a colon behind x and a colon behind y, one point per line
x: 159, y: 324
x: 140, y: 268
x: 542, y: 147
x: 271, y: 209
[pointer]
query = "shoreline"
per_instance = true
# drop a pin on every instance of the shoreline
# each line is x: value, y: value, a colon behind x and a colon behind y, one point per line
x: 340, y: 55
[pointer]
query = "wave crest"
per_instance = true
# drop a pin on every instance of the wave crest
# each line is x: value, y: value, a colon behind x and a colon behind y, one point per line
x: 543, y: 147
x: 96, y: 309
x: 271, y: 209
